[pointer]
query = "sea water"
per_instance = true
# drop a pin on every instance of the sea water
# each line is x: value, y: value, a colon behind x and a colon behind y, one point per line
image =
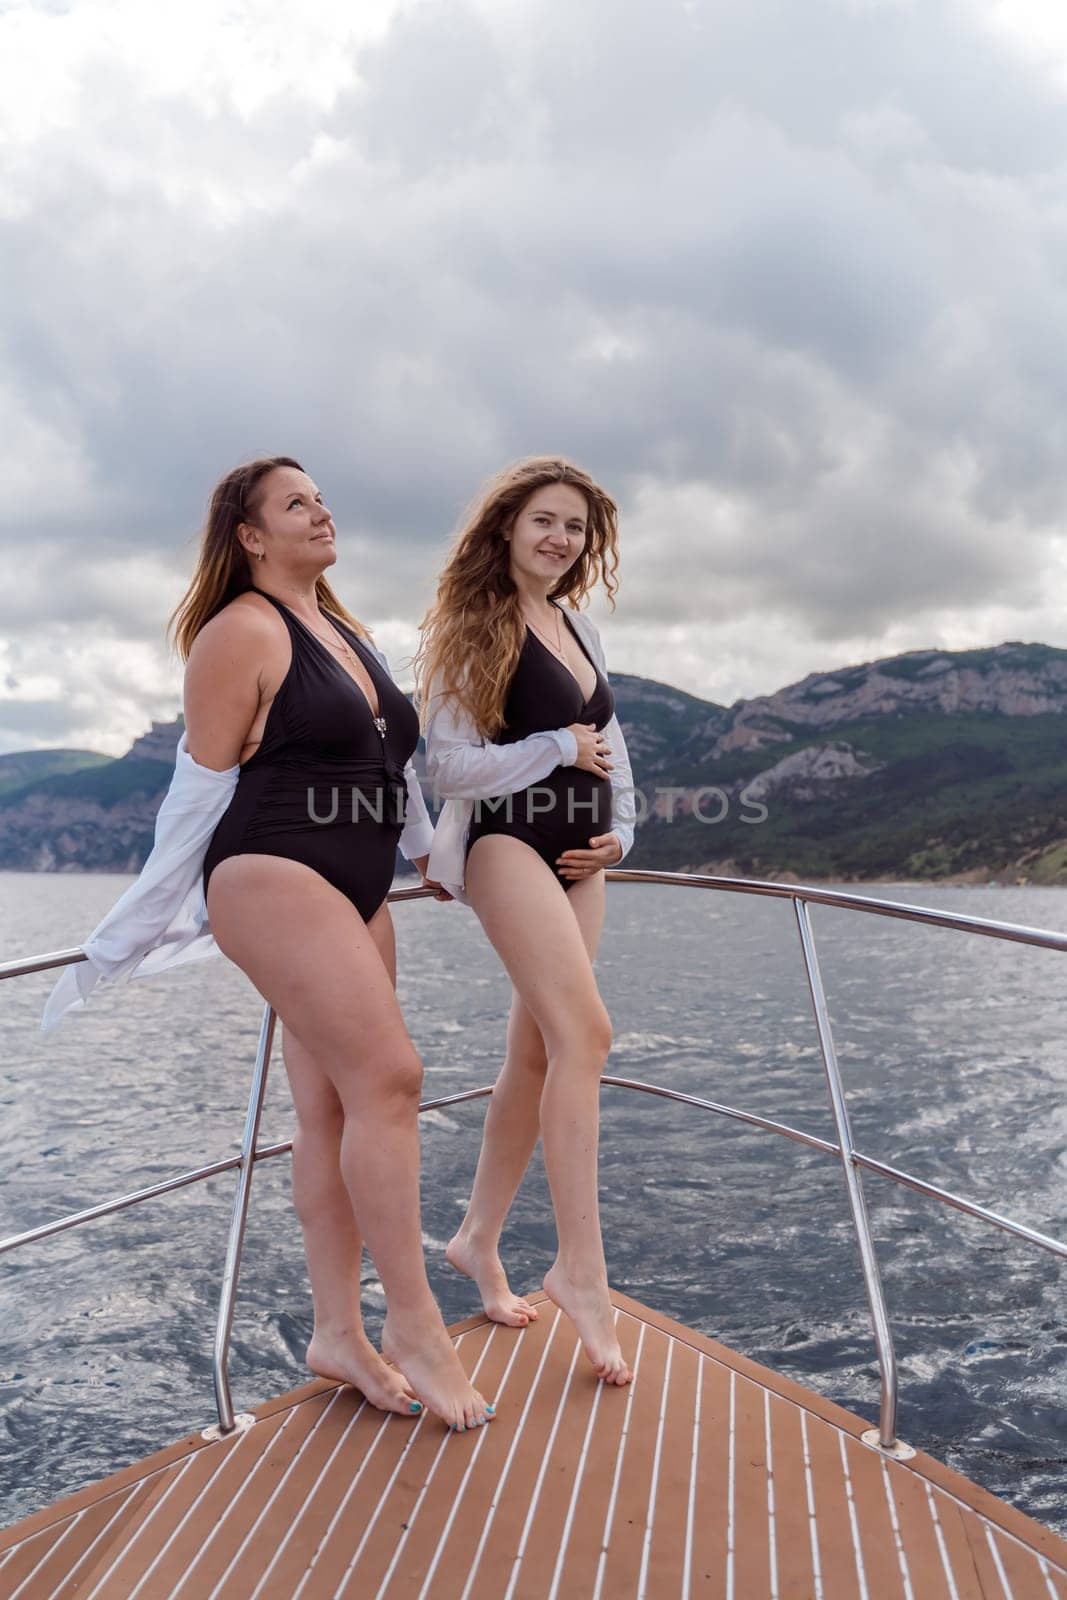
x: 954, y: 1057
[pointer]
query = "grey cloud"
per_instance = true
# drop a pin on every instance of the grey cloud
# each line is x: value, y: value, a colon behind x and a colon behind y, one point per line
x: 799, y: 254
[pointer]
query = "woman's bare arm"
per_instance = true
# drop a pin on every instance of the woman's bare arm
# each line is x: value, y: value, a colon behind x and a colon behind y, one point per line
x: 231, y: 658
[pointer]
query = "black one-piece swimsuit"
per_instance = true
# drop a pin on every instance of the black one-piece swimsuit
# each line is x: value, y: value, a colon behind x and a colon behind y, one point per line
x: 326, y: 784
x: 569, y: 807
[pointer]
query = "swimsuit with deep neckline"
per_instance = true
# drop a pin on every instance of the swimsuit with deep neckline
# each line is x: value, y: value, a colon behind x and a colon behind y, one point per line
x: 569, y: 807
x: 325, y: 786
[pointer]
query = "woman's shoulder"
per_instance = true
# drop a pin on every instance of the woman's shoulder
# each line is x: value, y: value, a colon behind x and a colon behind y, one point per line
x: 247, y: 616
x: 247, y: 628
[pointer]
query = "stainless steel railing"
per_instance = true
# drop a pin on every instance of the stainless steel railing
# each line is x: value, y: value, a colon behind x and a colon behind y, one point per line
x: 844, y: 1148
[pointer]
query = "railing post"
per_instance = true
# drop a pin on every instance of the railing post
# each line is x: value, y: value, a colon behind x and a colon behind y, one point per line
x: 885, y: 1435
x: 224, y: 1325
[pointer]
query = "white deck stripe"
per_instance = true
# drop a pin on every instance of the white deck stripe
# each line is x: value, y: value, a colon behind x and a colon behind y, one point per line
x: 383, y: 1498
x: 1001, y: 1574
x: 247, y: 1540
x: 964, y: 1506
x: 902, y: 1558
x: 220, y: 1524
x: 420, y: 1497
x: 730, y: 1476
x: 687, y: 1570
x: 654, y: 1485
x: 813, y: 1526
x: 130, y: 1543
x: 861, y: 1573
x: 619, y: 1454
x: 387, y: 1417
x: 950, y: 1576
x: 312, y: 1492
x: 461, y: 1491
x: 510, y: 1457
x: 536, y: 1495
x: 123, y: 1498
x: 772, y: 1534
x: 1002, y: 1533
x: 48, y: 1551
x: 575, y: 1491
x: 1043, y: 1564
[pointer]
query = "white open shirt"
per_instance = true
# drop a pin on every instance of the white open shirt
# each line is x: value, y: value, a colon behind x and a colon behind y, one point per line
x: 464, y: 767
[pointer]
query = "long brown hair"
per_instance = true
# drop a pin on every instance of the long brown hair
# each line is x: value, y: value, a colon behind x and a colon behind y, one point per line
x: 474, y: 631
x: 224, y: 566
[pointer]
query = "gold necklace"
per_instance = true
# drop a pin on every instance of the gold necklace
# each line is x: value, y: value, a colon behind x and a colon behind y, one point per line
x: 346, y: 649
x: 336, y: 643
x: 557, y: 648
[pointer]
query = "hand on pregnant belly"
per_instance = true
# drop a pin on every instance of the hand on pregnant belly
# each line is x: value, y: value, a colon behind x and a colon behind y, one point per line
x: 593, y: 749
x: 604, y: 850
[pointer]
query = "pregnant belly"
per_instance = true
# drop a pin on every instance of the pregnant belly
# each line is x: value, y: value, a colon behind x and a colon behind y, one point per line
x: 566, y: 809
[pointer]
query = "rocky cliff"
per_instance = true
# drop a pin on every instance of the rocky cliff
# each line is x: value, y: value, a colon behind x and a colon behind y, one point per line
x: 927, y: 764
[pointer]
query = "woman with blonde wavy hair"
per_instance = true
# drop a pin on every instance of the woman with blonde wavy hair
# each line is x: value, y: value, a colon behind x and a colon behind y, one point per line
x: 523, y: 744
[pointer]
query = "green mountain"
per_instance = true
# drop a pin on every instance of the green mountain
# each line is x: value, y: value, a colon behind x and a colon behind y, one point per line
x: 30, y: 766
x: 924, y: 765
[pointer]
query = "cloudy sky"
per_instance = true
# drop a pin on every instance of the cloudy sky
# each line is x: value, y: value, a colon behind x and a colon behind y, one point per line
x: 789, y: 276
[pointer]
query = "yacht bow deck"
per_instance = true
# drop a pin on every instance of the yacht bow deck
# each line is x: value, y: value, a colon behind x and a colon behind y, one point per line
x: 711, y: 1476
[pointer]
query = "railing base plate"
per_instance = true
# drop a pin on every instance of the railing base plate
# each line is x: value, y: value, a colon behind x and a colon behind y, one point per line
x: 241, y: 1424
x: 898, y: 1449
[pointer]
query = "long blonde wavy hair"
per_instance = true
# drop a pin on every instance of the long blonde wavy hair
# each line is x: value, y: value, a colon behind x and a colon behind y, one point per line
x: 473, y: 632
x: 224, y: 566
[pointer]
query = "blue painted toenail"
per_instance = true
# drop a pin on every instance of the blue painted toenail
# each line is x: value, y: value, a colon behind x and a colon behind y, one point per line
x: 491, y: 1410
x: 416, y: 1405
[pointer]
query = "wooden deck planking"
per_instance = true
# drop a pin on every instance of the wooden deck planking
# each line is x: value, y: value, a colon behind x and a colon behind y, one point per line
x: 575, y: 1559
x: 794, y: 1525
x: 877, y: 1539
x: 548, y: 1525
x: 432, y: 1464
x: 233, y: 1514
x: 699, y: 1480
x: 297, y: 1493
x: 668, y: 1531
x: 840, y: 1555
x: 172, y: 1525
x: 461, y: 1478
x: 1020, y: 1566
x: 390, y: 1436
x: 754, y: 1548
x: 440, y: 1557
x: 619, y: 1545
x: 711, y: 1487
x: 87, y: 1537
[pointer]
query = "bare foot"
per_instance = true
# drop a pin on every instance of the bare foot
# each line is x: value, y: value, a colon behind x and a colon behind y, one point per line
x: 590, y: 1310
x: 351, y: 1358
x: 486, y: 1270
x: 428, y: 1358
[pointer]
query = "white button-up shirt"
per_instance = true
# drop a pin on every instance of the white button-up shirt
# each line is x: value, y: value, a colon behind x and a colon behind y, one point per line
x: 464, y: 767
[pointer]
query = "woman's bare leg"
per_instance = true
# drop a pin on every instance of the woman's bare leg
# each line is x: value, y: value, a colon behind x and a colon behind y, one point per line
x: 316, y: 962
x: 512, y: 1127
x: 339, y: 1348
x: 527, y: 916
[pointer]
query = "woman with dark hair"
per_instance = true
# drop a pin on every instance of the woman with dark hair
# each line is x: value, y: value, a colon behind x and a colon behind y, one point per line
x: 293, y: 788
x: 522, y: 740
